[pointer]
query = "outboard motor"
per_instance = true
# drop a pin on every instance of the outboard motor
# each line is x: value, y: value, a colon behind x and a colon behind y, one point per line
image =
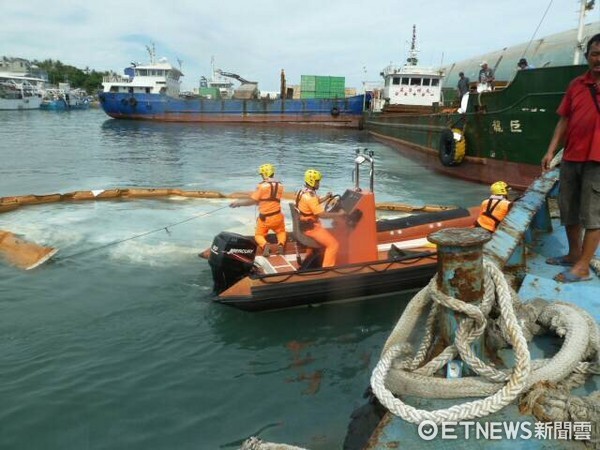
x: 231, y: 259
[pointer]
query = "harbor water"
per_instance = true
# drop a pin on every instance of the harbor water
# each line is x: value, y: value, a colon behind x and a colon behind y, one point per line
x: 119, y: 346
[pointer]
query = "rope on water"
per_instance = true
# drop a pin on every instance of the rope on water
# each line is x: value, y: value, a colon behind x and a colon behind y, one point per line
x: 396, y: 373
x: 254, y: 443
x: 146, y: 233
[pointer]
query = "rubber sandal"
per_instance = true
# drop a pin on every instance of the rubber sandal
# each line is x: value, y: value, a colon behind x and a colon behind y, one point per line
x: 559, y: 261
x: 568, y: 277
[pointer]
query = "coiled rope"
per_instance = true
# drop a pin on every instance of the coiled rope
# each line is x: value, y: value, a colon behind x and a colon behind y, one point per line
x: 395, y: 373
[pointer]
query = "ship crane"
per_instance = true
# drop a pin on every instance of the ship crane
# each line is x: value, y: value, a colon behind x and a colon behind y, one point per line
x: 247, y: 89
x: 236, y: 76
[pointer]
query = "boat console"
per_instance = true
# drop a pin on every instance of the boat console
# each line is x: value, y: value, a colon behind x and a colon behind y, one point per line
x: 357, y: 235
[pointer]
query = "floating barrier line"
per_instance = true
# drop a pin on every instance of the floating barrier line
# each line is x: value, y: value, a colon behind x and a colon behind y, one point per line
x: 14, y: 202
x: 29, y: 255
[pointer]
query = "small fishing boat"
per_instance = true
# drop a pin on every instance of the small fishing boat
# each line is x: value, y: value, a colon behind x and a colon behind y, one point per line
x: 19, y: 92
x: 65, y: 98
x: 375, y: 257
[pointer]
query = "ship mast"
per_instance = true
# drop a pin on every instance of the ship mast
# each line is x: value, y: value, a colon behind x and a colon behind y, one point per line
x: 151, y: 52
x: 412, y: 54
x: 586, y: 5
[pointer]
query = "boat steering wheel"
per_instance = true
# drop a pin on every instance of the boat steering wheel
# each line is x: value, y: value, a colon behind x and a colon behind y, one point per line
x: 333, y: 203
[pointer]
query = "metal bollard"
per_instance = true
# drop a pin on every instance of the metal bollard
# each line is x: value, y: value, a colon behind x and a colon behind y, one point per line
x: 460, y: 274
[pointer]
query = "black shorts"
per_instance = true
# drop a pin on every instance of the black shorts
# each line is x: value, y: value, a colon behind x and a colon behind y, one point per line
x: 579, y: 195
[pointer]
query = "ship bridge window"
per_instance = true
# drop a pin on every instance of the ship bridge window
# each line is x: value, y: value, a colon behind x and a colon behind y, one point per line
x: 415, y: 82
x: 142, y: 72
x: 396, y: 80
x: 435, y: 82
x: 426, y: 81
x: 405, y: 81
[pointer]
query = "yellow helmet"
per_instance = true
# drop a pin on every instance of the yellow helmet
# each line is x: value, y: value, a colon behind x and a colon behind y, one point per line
x: 311, y: 176
x: 267, y: 170
x: 499, y: 188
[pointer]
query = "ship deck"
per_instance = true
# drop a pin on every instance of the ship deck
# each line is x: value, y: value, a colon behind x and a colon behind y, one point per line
x: 543, y: 238
x: 393, y: 432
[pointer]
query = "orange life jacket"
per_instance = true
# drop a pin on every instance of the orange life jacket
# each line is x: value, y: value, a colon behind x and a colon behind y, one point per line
x: 306, y: 214
x: 269, y: 198
x: 493, y: 211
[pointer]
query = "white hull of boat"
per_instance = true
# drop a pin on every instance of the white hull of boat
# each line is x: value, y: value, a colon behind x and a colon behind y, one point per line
x: 20, y: 103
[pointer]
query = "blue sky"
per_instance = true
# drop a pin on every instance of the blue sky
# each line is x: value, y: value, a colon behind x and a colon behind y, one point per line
x: 258, y: 38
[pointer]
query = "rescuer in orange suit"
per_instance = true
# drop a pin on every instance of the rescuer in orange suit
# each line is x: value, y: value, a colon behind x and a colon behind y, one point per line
x: 267, y: 196
x: 311, y: 210
x: 494, y: 208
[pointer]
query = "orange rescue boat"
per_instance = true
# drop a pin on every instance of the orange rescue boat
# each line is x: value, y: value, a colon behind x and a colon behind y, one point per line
x: 375, y: 257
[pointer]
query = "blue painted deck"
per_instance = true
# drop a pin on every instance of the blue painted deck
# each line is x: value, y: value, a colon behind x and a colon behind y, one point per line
x: 528, y: 222
x: 538, y: 282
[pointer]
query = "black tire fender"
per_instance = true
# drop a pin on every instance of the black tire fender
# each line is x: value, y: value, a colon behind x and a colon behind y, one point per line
x: 447, y: 147
x: 133, y: 102
x: 335, y: 111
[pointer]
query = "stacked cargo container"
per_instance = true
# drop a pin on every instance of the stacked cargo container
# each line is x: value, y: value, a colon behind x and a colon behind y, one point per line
x: 315, y: 86
x: 209, y: 92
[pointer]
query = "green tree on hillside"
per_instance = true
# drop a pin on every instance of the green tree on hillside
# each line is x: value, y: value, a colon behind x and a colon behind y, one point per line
x: 87, y: 79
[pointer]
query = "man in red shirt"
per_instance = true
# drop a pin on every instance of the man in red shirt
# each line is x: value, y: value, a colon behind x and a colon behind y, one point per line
x: 579, y: 198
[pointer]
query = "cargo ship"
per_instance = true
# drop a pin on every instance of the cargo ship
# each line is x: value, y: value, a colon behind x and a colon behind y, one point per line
x: 152, y: 91
x: 489, y: 134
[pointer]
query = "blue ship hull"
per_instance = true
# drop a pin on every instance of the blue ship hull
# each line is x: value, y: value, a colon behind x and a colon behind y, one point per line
x: 345, y: 112
x: 61, y: 105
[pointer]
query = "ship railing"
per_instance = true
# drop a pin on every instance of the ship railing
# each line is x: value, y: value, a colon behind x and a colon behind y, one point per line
x: 114, y: 78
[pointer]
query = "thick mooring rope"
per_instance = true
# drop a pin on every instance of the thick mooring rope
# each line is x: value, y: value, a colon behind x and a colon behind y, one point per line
x: 469, y: 410
x: 396, y: 374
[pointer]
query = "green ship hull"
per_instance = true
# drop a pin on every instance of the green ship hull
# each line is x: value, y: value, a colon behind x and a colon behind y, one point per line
x: 506, y: 131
